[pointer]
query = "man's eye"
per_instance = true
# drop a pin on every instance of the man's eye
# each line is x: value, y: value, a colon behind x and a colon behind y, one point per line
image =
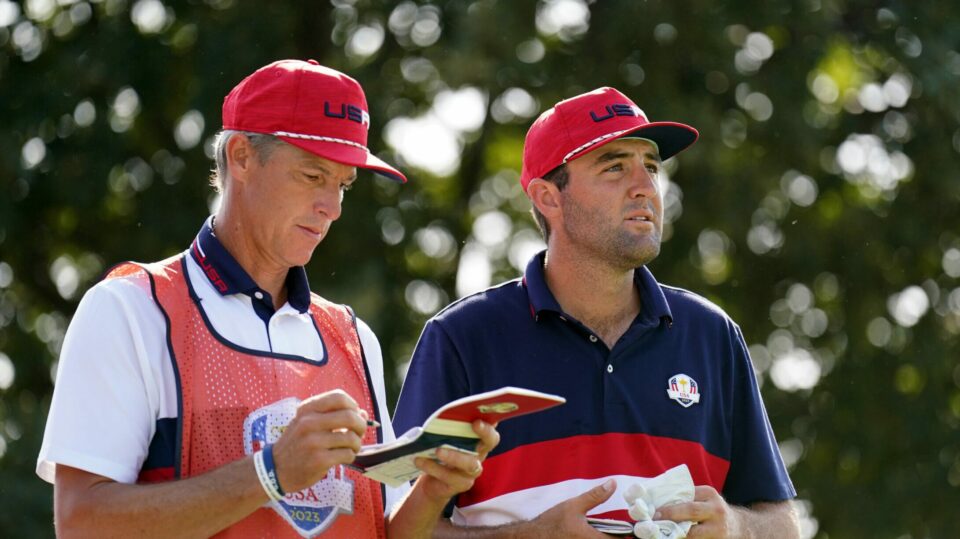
x: 654, y: 169
x: 615, y: 168
x: 312, y: 177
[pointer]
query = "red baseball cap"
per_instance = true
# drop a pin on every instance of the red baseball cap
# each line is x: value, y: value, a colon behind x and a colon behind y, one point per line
x: 576, y: 126
x: 310, y: 106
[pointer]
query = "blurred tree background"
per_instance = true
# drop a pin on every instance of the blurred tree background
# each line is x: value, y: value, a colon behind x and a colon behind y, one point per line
x: 821, y: 207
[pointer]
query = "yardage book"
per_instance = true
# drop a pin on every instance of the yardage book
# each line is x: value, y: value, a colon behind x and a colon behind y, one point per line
x: 450, y: 426
x: 611, y: 526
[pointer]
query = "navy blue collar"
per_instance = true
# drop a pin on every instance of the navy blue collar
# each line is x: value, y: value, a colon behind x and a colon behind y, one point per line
x: 228, y: 276
x: 653, y: 306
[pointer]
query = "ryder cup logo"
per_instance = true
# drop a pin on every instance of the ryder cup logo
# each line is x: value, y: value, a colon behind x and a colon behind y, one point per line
x: 683, y: 389
x: 313, y: 509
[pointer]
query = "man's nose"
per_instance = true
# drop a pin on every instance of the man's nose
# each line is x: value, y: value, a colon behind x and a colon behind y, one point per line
x: 329, y: 202
x: 644, y: 182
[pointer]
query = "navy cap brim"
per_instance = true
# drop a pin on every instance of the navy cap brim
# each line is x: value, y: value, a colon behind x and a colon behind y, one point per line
x: 671, y: 138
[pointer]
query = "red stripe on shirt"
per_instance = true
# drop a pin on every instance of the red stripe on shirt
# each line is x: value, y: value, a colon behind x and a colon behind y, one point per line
x: 591, y: 457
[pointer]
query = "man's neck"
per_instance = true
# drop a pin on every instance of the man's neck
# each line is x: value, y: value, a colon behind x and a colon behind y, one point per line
x: 238, y: 243
x: 601, y: 297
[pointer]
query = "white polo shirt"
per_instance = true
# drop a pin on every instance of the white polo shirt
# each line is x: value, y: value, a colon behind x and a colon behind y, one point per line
x: 115, y: 378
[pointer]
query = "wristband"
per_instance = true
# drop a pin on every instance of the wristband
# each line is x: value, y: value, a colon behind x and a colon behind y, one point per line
x: 271, y: 469
x: 265, y: 481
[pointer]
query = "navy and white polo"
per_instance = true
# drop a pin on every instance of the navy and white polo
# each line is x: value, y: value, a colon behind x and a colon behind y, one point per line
x: 677, y: 388
x: 116, y: 351
x: 228, y: 277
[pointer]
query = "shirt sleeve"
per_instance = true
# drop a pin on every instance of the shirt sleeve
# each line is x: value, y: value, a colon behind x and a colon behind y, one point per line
x: 374, y: 357
x: 434, y: 378
x: 757, y: 472
x: 106, y: 397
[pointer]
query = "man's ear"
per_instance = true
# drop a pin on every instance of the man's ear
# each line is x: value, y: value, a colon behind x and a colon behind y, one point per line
x: 545, y: 196
x: 240, y: 156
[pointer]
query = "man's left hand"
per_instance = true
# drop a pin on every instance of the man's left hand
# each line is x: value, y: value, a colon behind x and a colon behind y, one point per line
x: 455, y: 472
x: 716, y: 519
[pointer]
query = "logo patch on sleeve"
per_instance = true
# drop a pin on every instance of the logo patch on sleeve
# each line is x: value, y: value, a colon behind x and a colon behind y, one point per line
x: 683, y: 389
x: 315, y: 508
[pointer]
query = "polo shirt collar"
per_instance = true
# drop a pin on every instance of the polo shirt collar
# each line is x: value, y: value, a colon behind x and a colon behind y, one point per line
x: 654, y: 306
x: 228, y: 276
x: 541, y: 298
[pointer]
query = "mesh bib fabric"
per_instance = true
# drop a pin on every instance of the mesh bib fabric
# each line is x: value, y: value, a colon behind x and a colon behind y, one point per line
x: 233, y: 401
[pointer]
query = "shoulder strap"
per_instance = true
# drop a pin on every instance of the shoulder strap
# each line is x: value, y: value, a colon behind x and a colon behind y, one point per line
x: 162, y: 269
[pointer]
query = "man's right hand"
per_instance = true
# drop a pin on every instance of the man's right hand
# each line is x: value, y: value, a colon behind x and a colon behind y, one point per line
x: 327, y: 431
x: 568, y: 518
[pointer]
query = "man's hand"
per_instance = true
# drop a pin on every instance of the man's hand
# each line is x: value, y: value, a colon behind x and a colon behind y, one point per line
x: 718, y: 519
x: 417, y: 515
x: 326, y: 431
x: 715, y: 518
x: 456, y: 471
x: 568, y: 518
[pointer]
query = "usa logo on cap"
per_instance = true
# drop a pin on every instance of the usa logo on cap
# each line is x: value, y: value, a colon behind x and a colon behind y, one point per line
x: 683, y: 389
x: 578, y: 125
x: 315, y: 108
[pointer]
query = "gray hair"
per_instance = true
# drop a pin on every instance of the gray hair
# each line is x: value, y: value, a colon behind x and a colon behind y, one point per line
x: 263, y: 145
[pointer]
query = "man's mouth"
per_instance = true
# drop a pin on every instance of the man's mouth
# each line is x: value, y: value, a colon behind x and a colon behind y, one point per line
x: 312, y: 231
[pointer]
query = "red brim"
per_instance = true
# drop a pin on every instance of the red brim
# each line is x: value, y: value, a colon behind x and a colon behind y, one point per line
x: 671, y: 138
x: 347, y: 155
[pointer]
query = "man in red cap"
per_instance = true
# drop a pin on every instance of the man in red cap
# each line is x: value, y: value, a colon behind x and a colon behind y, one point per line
x: 212, y: 392
x: 655, y: 377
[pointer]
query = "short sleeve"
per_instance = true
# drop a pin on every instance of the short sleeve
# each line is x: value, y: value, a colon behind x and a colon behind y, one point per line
x: 757, y: 472
x: 434, y: 378
x: 106, y: 397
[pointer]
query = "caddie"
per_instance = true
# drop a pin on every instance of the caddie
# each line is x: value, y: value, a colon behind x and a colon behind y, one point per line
x: 212, y: 392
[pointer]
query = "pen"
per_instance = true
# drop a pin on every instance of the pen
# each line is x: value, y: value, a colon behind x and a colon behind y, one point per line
x: 373, y: 423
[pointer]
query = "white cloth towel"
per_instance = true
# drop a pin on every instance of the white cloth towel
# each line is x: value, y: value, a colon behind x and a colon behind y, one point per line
x: 646, y: 496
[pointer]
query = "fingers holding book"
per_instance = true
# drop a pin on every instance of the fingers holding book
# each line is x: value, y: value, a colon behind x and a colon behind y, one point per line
x: 489, y: 437
x: 449, y: 476
x: 456, y: 469
x: 468, y: 422
x: 475, y: 473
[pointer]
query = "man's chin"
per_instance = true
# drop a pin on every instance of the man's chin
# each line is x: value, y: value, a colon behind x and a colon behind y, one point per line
x: 302, y: 258
x: 642, y: 256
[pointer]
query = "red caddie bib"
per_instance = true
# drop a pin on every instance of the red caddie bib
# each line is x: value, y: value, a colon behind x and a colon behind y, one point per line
x: 233, y: 401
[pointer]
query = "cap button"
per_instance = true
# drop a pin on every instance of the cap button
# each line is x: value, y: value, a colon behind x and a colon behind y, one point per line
x: 314, y: 62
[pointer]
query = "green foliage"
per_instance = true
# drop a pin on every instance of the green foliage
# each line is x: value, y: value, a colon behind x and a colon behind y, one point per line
x: 821, y: 207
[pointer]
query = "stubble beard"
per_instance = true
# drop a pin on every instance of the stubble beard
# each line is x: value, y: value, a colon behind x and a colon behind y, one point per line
x: 616, y: 246
x: 635, y: 251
